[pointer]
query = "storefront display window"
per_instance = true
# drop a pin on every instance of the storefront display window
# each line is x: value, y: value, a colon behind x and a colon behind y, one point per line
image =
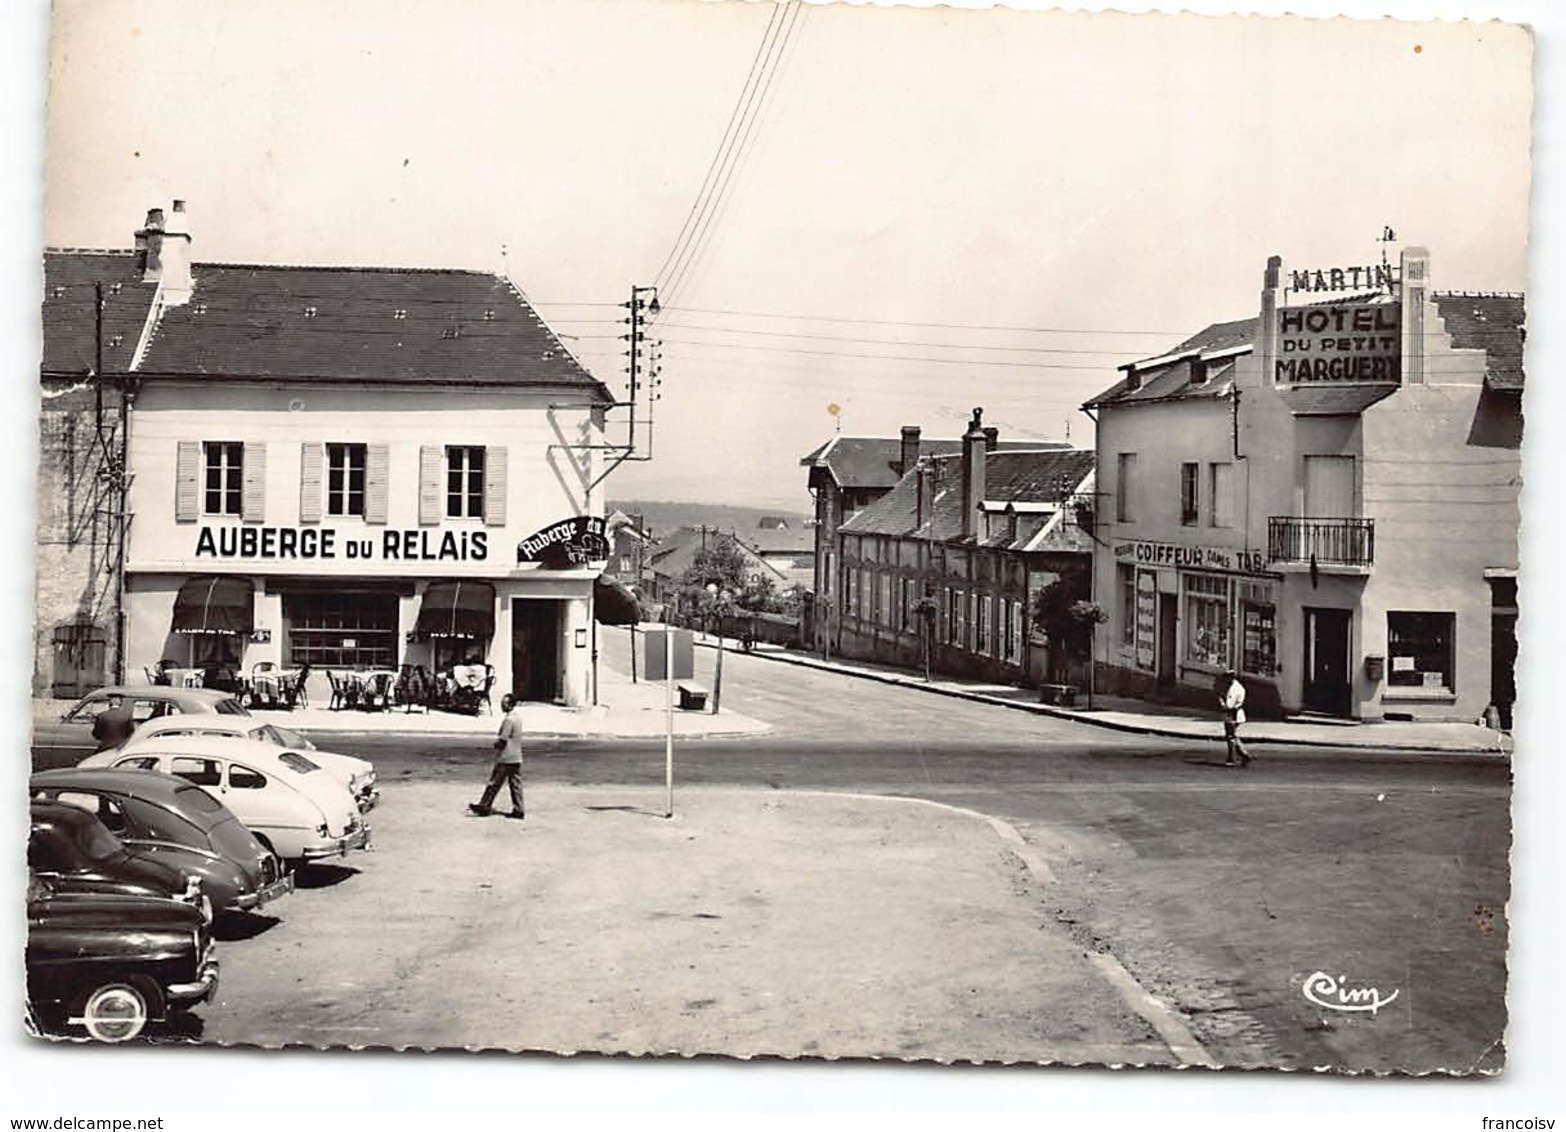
x: 1420, y: 648
x: 1126, y: 576
x: 1207, y: 620
x: 1258, y: 629
x: 342, y: 630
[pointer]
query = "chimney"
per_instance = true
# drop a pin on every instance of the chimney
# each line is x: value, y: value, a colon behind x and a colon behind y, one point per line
x: 910, y: 454
x: 973, y: 449
x: 991, y: 438
x: 920, y: 469
x: 163, y: 253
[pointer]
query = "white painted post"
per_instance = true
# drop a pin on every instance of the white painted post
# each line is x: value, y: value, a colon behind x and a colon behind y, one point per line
x: 668, y: 738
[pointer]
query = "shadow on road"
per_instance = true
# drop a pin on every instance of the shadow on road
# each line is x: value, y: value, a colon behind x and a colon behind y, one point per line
x: 322, y: 876
x: 231, y: 926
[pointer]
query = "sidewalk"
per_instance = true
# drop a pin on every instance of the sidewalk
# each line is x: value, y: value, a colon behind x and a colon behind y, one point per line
x: 1138, y: 717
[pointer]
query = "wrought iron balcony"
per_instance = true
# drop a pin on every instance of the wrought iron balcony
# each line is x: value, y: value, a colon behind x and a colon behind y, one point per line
x: 1327, y: 542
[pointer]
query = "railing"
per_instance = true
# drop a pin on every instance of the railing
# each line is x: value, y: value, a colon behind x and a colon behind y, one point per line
x: 1329, y: 542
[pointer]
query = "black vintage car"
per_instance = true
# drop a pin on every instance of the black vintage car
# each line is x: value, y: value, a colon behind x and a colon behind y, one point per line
x: 75, y: 853
x: 108, y: 965
x: 163, y: 818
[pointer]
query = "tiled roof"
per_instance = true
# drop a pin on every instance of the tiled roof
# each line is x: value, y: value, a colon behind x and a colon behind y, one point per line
x: 1172, y: 381
x: 68, y: 330
x: 677, y: 553
x: 1010, y: 476
x: 802, y: 541
x: 1493, y: 323
x: 872, y: 461
x: 360, y: 323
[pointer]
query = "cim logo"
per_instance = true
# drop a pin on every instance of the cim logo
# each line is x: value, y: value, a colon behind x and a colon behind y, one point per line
x: 1336, y: 994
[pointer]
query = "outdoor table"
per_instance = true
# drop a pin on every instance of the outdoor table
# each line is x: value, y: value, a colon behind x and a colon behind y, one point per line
x: 185, y: 677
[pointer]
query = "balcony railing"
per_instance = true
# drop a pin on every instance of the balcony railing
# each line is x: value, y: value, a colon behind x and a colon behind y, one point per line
x: 1329, y: 542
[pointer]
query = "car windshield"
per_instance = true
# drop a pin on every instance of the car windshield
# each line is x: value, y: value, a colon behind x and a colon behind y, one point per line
x: 287, y: 737
x: 266, y: 733
x: 295, y: 761
x: 230, y: 706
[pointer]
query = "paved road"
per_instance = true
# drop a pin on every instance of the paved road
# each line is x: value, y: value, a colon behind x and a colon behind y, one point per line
x: 1222, y: 891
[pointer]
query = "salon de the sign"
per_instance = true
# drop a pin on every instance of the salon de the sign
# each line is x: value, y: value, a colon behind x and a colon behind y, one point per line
x: 1221, y: 558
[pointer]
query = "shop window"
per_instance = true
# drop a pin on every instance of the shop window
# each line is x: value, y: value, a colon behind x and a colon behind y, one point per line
x: 981, y: 623
x: 1190, y: 494
x: 1258, y: 628
x: 345, y: 465
x: 1207, y: 620
x: 960, y: 618
x: 342, y: 630
x: 464, y: 481
x: 1008, y: 625
x: 1125, y: 581
x: 886, y: 617
x: 1125, y: 474
x: 224, y: 465
x: 1220, y: 484
x: 1420, y: 648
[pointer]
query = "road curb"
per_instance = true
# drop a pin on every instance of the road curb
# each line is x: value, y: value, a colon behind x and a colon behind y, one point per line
x: 1050, y: 711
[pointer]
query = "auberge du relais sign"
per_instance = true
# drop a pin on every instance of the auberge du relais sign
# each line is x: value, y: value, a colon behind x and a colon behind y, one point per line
x: 320, y: 544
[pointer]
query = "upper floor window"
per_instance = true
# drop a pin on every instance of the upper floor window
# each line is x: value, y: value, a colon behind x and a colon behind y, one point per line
x: 224, y: 462
x: 1190, y: 494
x: 464, y: 481
x: 345, y: 479
x: 1125, y: 474
x: 1221, y: 487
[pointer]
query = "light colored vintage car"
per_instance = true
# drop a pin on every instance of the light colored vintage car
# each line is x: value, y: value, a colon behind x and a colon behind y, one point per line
x: 355, y: 773
x: 63, y: 742
x: 293, y: 807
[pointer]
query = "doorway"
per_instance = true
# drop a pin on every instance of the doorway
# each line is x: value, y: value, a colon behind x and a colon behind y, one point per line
x: 535, y: 650
x: 1327, y: 688
x: 1168, y: 630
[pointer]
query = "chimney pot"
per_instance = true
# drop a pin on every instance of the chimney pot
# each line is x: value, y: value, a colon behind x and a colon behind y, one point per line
x: 991, y: 438
x: 910, y: 450
x: 974, y: 446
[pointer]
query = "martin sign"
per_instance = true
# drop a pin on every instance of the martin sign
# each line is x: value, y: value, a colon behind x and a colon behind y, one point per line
x: 566, y: 544
x: 1339, y: 342
x: 1369, y: 277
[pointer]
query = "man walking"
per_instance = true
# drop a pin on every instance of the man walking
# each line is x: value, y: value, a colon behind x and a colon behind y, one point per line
x: 508, y: 762
x: 1231, y: 699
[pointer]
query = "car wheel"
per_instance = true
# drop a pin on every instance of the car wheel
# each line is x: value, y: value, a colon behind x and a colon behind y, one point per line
x: 114, y: 1013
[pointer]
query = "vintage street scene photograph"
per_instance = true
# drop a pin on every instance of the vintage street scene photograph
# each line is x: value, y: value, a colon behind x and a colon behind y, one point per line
x: 775, y: 530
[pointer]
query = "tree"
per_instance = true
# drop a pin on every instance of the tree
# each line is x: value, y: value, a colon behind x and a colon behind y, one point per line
x: 1067, y: 621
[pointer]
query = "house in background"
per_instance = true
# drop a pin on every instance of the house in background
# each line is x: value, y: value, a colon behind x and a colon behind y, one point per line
x: 790, y: 550
x: 978, y: 533
x: 1323, y: 497
x: 675, y: 553
x: 629, y: 540
x: 846, y: 475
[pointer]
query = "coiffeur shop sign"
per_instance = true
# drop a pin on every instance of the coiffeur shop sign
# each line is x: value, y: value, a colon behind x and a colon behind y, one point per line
x: 318, y: 544
x: 1222, y: 558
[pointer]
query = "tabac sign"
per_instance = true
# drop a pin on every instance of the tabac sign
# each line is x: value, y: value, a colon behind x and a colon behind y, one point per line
x: 573, y: 542
x: 1339, y: 342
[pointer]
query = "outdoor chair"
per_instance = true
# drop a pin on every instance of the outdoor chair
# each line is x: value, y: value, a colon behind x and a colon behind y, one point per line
x: 337, y: 691
x: 295, y: 691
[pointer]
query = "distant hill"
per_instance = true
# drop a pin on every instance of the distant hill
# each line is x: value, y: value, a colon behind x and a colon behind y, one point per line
x: 665, y: 515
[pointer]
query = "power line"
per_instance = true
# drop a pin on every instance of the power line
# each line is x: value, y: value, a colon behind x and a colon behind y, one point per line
x: 723, y: 144
x: 737, y: 154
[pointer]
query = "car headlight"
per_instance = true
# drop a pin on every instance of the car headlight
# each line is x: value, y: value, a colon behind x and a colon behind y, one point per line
x: 322, y: 829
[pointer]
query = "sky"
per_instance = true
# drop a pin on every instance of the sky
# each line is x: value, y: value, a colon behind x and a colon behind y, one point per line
x: 924, y: 176
x: 921, y: 211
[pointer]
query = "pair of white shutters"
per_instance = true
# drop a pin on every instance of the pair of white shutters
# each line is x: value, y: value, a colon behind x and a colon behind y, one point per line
x: 189, y: 471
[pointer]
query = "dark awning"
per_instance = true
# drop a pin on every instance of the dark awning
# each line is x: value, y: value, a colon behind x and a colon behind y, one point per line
x: 457, y: 609
x: 614, y: 603
x: 215, y: 605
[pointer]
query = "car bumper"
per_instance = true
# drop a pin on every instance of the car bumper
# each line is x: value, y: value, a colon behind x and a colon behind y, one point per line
x: 367, y: 799
x: 340, y: 846
x: 250, y: 901
x: 205, y: 986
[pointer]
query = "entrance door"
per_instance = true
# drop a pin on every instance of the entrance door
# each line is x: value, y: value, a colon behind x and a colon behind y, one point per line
x: 1503, y: 665
x: 1168, y: 627
x: 79, y: 649
x: 1327, y: 661
x: 535, y: 650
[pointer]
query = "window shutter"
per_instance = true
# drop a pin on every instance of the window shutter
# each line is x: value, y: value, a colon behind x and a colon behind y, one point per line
x: 431, y: 491
x: 495, y: 486
x: 253, y: 507
x: 310, y: 456
x: 187, y: 482
x: 377, y: 468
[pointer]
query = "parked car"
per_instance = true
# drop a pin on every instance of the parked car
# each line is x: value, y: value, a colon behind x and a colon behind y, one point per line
x: 355, y: 773
x: 77, y: 854
x: 111, y: 964
x: 66, y: 741
x: 167, y: 819
x: 294, y: 808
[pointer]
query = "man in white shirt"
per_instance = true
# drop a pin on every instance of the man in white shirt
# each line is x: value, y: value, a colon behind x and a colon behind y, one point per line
x: 508, y: 762
x: 1231, y: 699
